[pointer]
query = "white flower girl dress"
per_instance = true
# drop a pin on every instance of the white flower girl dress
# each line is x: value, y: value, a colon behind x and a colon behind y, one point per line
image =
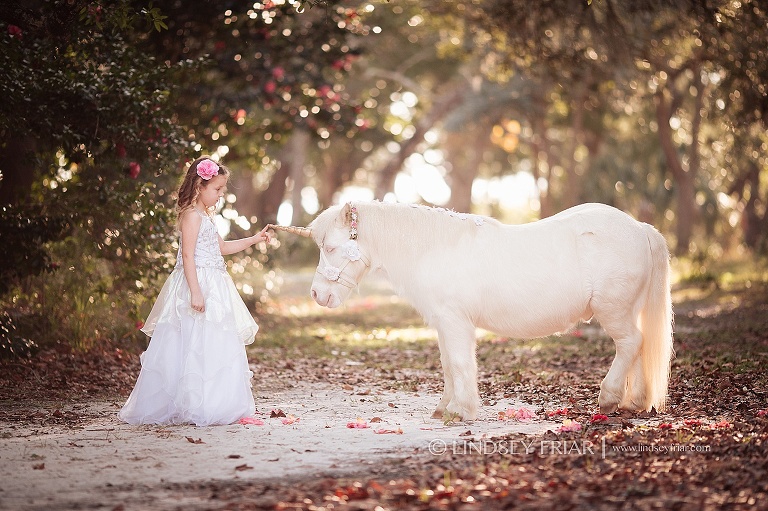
x: 195, y: 369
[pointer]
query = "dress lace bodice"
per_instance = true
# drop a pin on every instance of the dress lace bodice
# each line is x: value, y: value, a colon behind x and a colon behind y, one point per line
x: 207, y: 251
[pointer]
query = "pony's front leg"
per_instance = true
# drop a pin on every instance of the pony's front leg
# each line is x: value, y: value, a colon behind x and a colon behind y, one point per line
x: 458, y: 355
x: 447, y: 382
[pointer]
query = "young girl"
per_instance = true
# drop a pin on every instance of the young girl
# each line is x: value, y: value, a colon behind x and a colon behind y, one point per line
x: 195, y: 369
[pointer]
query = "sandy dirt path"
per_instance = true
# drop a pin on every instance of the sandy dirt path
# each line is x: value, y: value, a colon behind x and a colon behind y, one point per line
x: 93, y: 461
x: 99, y: 463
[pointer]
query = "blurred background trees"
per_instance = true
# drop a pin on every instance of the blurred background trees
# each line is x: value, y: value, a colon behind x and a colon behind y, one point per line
x: 502, y: 107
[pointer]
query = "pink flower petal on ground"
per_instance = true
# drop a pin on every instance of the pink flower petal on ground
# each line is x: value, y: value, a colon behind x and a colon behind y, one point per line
x: 397, y: 431
x: 599, y: 417
x: 559, y: 411
x: 692, y: 422
x: 251, y: 420
x: 762, y: 413
x: 665, y: 425
x: 722, y: 424
x: 569, y: 425
x: 290, y: 419
x: 520, y: 414
x: 358, y: 424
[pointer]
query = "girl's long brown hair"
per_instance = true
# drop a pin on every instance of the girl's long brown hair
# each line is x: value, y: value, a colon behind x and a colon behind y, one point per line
x: 190, y: 187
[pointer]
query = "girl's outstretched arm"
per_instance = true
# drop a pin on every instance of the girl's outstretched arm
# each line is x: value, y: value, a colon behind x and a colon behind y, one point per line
x: 233, y: 246
x: 190, y: 227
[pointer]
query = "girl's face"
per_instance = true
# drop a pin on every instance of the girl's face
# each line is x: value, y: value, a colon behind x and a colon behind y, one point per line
x: 212, y: 190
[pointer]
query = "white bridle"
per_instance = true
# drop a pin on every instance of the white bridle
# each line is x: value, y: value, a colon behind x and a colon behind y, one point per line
x: 350, y: 249
x: 352, y: 253
x: 340, y: 275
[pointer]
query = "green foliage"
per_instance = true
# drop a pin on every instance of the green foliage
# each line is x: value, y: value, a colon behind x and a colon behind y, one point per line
x: 12, y: 344
x: 90, y: 142
x: 25, y: 233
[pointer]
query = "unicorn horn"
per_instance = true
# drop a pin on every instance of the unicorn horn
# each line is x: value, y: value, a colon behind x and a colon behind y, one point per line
x: 301, y: 231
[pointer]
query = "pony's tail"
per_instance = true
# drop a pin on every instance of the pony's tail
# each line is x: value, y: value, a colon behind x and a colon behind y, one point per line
x: 656, y: 321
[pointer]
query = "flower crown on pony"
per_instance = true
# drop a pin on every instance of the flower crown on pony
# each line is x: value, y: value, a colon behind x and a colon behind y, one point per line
x: 206, y: 169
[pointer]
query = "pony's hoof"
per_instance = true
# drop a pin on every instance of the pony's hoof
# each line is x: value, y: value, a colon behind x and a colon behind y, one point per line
x: 632, y: 406
x: 608, y: 408
x: 438, y: 414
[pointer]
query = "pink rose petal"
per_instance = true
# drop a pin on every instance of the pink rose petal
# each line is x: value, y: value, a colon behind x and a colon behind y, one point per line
x: 358, y: 424
x: 520, y: 414
x: 290, y: 419
x: 569, y: 425
x: 397, y: 431
x: 251, y: 420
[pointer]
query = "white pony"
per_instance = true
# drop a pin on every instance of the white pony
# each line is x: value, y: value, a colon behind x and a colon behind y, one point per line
x: 465, y: 271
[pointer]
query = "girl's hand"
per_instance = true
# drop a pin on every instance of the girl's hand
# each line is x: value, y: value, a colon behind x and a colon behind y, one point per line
x: 197, y: 302
x: 264, y: 234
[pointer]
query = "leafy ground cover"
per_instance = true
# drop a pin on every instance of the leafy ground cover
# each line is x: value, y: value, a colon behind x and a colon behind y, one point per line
x: 708, y: 451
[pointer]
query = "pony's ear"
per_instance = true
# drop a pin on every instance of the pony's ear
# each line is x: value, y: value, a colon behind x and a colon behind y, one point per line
x: 346, y: 214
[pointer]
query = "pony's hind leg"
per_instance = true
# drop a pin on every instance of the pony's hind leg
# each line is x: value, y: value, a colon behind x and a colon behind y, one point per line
x: 447, y: 382
x: 628, y: 340
x: 636, y: 394
x: 458, y: 354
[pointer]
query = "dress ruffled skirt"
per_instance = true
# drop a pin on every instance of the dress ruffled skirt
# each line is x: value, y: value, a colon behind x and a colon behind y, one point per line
x: 195, y: 369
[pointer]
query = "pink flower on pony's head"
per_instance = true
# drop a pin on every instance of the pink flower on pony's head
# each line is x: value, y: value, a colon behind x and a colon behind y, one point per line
x: 206, y: 169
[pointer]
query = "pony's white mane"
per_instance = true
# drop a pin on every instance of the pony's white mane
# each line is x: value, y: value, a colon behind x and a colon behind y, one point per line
x: 402, y: 228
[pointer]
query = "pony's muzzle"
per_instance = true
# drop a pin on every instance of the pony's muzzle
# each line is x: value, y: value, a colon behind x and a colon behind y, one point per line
x: 324, y: 298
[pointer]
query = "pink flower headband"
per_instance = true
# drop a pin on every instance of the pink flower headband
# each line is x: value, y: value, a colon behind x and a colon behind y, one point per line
x: 206, y: 169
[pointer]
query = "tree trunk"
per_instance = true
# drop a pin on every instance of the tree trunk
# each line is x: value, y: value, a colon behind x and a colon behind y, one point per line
x: 685, y: 189
x: 292, y: 157
x: 573, y: 181
x: 298, y: 145
x: 18, y: 171
x: 747, y: 189
x: 541, y: 166
x: 465, y: 160
x: 440, y: 108
x: 272, y: 196
x: 247, y: 195
x: 339, y: 169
